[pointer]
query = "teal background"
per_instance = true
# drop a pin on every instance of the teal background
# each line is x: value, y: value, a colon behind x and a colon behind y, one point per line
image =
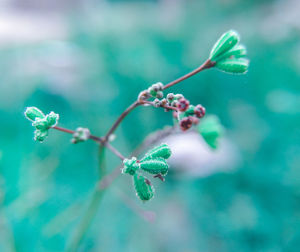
x: 108, y: 53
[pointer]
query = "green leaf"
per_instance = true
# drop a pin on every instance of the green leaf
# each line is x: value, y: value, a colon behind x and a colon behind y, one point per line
x: 52, y: 119
x: 227, y: 41
x: 40, y: 135
x: 238, y: 51
x: 31, y: 113
x: 155, y: 166
x: 143, y: 187
x: 40, y: 124
x: 161, y: 151
x: 211, y: 130
x: 235, y: 66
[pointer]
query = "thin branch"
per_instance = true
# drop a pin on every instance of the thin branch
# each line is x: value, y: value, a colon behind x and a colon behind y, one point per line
x: 120, y: 119
x: 114, y: 150
x: 64, y: 130
x: 161, y: 106
x: 95, y: 138
x: 85, y: 221
x: 150, y: 140
x: 207, y: 64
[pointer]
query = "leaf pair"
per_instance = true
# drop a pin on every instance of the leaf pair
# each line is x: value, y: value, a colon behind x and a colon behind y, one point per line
x: 228, y: 54
x: 154, y: 162
x: 41, y: 122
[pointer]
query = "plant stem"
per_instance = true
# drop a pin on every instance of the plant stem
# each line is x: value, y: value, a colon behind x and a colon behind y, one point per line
x: 101, y: 161
x: 114, y: 150
x: 95, y: 138
x: 86, y: 220
x: 207, y: 64
x: 93, y: 206
x: 104, y: 183
x: 120, y: 119
x: 163, y: 106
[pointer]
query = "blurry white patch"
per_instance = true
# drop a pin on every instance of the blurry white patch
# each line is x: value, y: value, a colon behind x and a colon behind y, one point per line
x: 281, y: 21
x: 20, y: 28
x: 191, y: 156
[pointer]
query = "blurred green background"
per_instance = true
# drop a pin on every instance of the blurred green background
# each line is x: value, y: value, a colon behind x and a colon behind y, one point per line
x: 87, y: 61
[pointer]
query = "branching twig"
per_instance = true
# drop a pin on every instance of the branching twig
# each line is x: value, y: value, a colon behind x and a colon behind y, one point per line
x: 120, y: 119
x: 95, y: 138
x: 207, y: 64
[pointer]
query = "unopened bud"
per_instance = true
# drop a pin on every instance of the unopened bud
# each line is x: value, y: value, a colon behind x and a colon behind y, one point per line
x: 32, y: 113
x: 186, y: 123
x: 144, y: 189
x: 199, y: 111
x: 81, y: 135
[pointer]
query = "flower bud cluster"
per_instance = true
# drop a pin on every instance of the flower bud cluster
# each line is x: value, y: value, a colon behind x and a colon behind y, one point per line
x: 156, y: 91
x: 186, y: 114
x: 41, y: 122
x: 81, y: 135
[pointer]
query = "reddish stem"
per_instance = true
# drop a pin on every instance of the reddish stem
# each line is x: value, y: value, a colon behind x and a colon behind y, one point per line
x: 207, y: 64
x: 95, y: 138
x: 120, y: 119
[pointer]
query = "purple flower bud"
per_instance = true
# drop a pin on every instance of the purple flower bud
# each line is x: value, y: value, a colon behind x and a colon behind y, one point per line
x: 186, y: 123
x: 199, y: 111
x: 183, y: 104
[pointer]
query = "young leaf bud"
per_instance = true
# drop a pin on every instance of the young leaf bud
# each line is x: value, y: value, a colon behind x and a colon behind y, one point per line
x: 151, y: 91
x: 40, y: 124
x: 52, y: 119
x: 178, y: 96
x: 163, y: 102
x: 130, y: 166
x: 155, y: 87
x: 161, y: 151
x: 31, y: 113
x: 234, y: 66
x: 144, y: 95
x: 238, y: 51
x: 174, y: 103
x: 155, y: 166
x: 156, y: 103
x: 170, y: 97
x: 144, y: 189
x: 159, y: 94
x: 227, y: 41
x: 40, y: 135
x: 160, y: 86
x: 190, y: 111
x: 81, y: 135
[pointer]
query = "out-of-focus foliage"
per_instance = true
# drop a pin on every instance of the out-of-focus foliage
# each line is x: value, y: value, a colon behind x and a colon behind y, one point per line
x: 113, y: 52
